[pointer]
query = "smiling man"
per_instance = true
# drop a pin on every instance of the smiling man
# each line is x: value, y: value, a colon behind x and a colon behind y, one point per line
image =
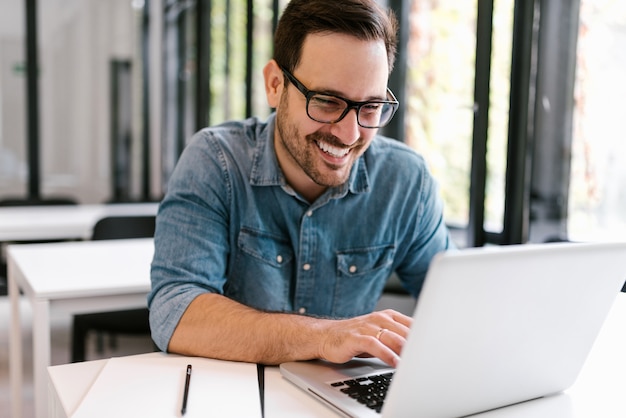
x: 276, y: 237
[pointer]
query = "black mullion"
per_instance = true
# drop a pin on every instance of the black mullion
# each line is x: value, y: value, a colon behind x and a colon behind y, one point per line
x: 478, y: 172
x: 517, y: 188
x: 204, y: 9
x: 145, y: 117
x: 249, y: 56
x: 32, y: 116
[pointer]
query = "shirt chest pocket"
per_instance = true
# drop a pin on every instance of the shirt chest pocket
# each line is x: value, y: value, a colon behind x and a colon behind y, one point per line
x: 361, y: 276
x: 366, y: 261
x: 260, y: 271
x: 265, y: 248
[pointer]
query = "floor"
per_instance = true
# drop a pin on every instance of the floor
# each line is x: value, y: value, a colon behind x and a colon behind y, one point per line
x: 61, y: 325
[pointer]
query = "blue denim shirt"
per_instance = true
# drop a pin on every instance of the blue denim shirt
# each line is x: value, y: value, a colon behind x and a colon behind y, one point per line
x: 230, y: 224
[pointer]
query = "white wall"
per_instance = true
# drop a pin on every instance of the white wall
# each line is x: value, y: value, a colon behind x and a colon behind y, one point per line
x: 77, y: 40
x: 12, y: 101
x: 13, y: 169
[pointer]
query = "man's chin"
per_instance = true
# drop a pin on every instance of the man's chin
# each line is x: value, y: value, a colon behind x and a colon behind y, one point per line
x: 327, y: 181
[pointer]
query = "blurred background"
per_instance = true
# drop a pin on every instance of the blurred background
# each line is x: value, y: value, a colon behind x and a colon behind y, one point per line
x: 516, y: 105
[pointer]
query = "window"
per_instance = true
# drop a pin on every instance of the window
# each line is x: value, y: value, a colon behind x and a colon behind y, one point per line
x: 597, y: 199
x: 440, y: 107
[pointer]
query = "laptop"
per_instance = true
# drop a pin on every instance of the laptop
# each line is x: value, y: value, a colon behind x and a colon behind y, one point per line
x: 493, y: 326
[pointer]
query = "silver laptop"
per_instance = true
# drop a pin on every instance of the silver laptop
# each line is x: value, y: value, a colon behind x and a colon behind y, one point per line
x: 493, y: 326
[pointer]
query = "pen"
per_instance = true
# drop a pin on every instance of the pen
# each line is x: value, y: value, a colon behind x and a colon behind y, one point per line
x: 186, y: 390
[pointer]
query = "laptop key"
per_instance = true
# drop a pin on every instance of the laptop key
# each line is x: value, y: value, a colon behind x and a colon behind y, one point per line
x: 370, y: 391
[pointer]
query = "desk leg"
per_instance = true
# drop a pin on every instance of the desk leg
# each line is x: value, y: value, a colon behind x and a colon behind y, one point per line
x: 41, y: 354
x: 16, y: 369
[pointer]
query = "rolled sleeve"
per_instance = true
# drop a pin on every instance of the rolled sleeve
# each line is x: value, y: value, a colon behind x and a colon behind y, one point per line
x: 191, y: 239
x: 172, y: 302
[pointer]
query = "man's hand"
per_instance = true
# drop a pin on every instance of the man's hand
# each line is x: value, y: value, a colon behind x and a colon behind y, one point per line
x: 379, y: 334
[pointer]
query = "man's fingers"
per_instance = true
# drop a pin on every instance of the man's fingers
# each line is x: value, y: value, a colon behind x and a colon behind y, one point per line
x: 392, y: 340
x: 380, y: 334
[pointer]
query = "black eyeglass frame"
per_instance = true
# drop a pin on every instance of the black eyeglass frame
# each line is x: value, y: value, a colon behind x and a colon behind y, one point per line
x: 351, y: 103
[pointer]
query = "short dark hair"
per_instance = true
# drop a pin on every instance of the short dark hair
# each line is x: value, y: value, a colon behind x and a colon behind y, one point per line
x: 363, y: 19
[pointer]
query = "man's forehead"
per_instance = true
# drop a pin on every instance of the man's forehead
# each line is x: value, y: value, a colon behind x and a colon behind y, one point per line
x: 343, y: 63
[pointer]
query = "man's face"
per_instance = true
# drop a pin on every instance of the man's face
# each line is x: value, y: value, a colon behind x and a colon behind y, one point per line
x: 316, y: 155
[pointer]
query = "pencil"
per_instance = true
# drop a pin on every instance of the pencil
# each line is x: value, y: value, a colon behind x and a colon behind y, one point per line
x: 186, y: 390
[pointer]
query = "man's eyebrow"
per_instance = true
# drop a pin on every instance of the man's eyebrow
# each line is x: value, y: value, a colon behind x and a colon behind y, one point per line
x: 336, y: 93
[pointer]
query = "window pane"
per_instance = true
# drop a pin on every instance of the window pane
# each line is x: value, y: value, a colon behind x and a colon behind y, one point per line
x: 13, y: 158
x: 440, y: 82
x: 499, y: 100
x: 442, y: 52
x: 597, y: 198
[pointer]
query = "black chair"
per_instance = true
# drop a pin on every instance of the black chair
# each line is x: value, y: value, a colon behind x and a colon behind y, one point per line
x: 124, y: 227
x: 126, y: 322
x: 16, y: 202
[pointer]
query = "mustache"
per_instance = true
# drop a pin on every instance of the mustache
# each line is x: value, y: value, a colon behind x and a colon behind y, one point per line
x: 329, y: 139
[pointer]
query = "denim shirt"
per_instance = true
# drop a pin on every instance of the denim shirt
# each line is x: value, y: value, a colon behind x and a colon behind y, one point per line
x: 231, y: 224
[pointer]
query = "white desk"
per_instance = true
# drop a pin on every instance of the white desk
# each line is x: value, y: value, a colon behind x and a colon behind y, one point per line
x: 76, y: 277
x: 24, y: 223
x: 69, y: 383
x: 598, y: 392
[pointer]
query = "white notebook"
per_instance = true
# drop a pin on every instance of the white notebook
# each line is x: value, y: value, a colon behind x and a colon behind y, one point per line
x: 140, y: 386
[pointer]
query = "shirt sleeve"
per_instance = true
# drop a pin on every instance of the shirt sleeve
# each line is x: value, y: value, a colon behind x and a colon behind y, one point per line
x: 429, y: 236
x: 191, y: 236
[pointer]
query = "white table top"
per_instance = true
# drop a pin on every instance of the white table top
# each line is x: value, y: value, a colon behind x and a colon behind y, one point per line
x: 75, y: 277
x: 70, y: 383
x: 58, y: 270
x: 24, y: 223
x: 598, y: 392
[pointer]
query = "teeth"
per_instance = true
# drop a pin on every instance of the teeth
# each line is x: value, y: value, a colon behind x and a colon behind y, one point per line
x: 333, y: 151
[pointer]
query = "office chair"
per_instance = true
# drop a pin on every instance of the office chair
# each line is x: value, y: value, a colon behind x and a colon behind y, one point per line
x: 128, y: 322
x: 16, y: 202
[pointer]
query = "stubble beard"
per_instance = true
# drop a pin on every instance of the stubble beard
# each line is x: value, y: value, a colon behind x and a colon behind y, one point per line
x: 303, y: 150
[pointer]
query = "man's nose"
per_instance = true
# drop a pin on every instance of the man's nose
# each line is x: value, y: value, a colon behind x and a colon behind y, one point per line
x: 347, y: 129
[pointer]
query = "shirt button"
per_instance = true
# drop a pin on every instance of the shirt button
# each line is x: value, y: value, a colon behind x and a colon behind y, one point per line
x: 306, y: 267
x: 352, y: 269
x: 309, y: 213
x: 302, y: 310
x: 279, y: 258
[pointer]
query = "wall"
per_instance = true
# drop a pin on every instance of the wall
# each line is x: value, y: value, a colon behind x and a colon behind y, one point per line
x: 77, y: 40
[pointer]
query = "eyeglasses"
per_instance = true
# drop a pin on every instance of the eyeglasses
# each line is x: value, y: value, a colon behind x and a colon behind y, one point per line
x: 328, y: 108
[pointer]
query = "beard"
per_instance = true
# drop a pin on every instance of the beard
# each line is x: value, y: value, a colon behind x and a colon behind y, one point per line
x: 304, y: 151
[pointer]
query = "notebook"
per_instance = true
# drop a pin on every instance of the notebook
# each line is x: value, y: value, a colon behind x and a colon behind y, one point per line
x: 493, y: 326
x: 152, y: 385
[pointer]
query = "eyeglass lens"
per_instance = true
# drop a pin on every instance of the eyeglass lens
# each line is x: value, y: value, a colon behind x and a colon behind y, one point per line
x: 331, y: 109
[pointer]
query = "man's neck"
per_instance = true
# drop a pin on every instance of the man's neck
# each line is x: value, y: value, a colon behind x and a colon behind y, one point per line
x: 305, y: 187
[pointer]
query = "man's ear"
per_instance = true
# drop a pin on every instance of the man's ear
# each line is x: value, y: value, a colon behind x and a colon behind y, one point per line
x: 274, y: 83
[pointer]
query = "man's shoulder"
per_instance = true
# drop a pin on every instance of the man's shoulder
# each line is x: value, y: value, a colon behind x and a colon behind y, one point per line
x: 250, y: 130
x: 387, y: 150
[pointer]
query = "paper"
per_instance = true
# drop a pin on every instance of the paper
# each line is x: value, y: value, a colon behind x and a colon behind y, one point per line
x: 140, y: 386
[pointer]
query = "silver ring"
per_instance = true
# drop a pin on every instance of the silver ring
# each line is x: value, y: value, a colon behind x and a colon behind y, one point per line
x: 380, y: 333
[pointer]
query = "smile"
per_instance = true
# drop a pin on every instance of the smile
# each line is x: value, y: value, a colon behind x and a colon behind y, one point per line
x: 331, y: 150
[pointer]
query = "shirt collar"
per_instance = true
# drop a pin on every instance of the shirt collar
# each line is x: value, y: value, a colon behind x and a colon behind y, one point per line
x: 266, y: 171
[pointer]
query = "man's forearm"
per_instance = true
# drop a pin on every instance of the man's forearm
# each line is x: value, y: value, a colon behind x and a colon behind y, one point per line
x: 217, y: 327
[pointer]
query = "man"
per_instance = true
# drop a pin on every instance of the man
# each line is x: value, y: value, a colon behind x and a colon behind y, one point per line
x: 276, y: 237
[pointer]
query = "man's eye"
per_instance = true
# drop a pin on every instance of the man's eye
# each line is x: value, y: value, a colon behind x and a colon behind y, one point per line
x: 371, y: 108
x: 327, y: 102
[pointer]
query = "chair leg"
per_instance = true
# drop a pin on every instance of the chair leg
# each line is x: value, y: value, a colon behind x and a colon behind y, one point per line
x: 79, y: 335
x: 112, y: 341
x: 99, y: 342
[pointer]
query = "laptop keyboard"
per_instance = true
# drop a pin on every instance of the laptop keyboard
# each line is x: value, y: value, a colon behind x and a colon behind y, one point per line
x: 369, y: 390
